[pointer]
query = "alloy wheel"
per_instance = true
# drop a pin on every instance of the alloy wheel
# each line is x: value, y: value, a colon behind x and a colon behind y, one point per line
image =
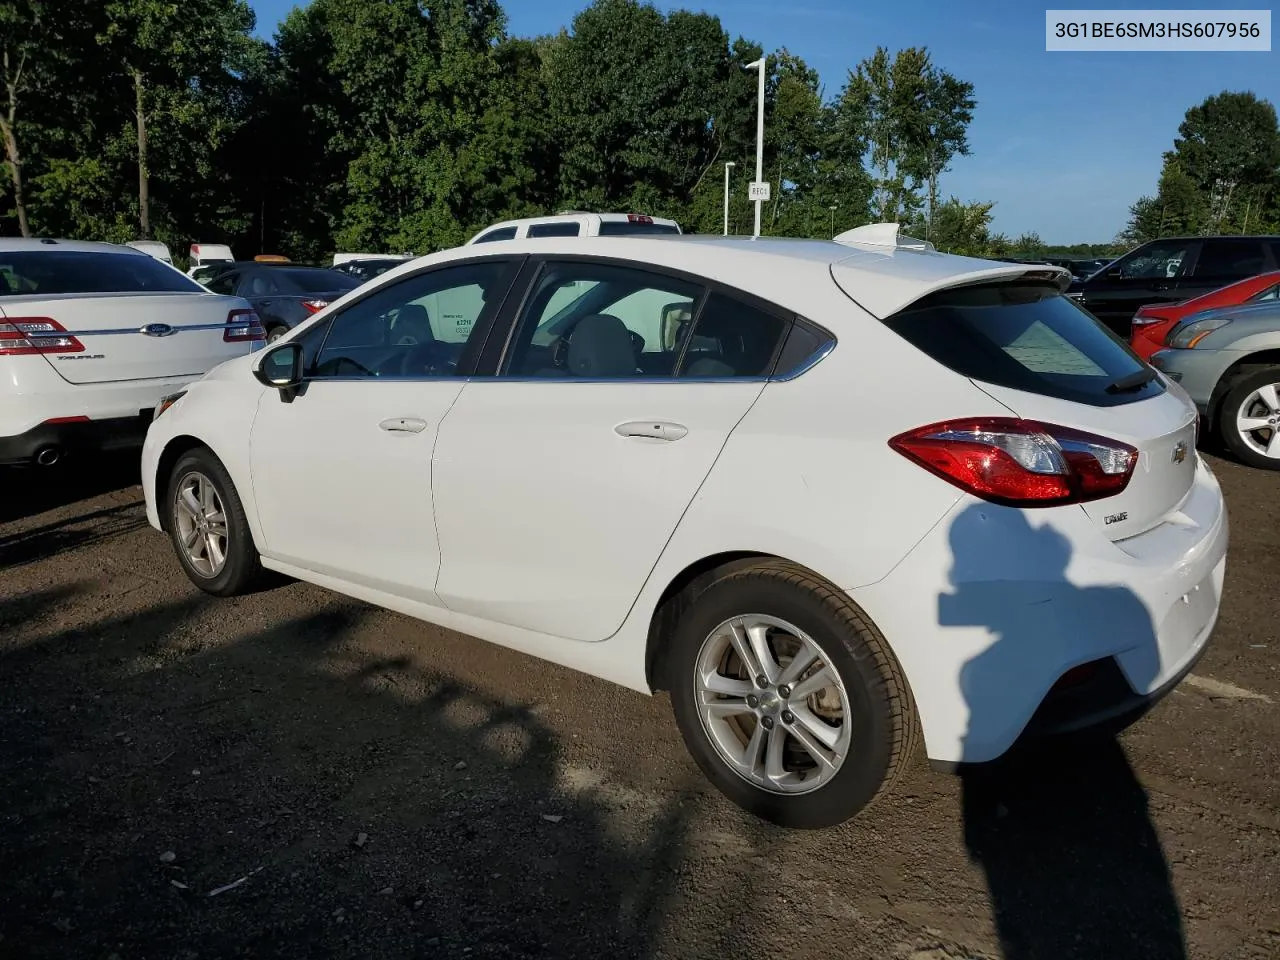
x: 772, y: 704
x: 201, y: 523
x: 1258, y: 421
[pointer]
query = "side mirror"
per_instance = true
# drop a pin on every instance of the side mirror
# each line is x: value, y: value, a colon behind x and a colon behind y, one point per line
x: 280, y: 366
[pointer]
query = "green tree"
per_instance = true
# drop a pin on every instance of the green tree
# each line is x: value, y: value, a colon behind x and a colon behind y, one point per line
x: 1180, y: 207
x: 1229, y: 142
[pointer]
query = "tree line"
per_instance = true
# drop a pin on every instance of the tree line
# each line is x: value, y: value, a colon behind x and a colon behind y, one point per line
x: 1221, y: 177
x: 390, y: 125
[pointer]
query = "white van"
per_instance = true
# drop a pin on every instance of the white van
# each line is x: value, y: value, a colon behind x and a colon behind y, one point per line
x: 153, y: 248
x: 577, y: 223
x: 205, y: 254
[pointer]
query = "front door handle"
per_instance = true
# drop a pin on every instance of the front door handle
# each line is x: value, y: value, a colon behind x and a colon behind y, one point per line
x: 653, y: 429
x: 403, y: 425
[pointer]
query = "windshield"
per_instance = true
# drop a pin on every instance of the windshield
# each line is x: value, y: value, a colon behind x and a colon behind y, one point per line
x: 66, y: 271
x: 1026, y: 337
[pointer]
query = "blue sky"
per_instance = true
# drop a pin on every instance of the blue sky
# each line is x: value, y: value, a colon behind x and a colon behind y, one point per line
x: 1063, y: 142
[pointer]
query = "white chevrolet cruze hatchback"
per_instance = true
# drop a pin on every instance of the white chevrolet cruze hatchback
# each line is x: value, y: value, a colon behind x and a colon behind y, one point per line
x: 832, y: 496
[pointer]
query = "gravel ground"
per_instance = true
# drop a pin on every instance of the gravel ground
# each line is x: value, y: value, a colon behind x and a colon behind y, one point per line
x: 293, y: 774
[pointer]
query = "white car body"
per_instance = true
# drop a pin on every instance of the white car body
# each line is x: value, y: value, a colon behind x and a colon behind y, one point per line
x: 83, y: 371
x: 513, y: 510
x: 574, y: 224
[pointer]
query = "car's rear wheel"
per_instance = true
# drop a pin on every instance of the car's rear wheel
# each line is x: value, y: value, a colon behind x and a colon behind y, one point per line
x: 788, y: 697
x: 208, y: 527
x: 275, y: 333
x: 1249, y: 418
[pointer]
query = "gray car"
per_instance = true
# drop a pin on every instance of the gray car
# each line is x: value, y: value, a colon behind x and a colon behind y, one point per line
x: 1228, y: 359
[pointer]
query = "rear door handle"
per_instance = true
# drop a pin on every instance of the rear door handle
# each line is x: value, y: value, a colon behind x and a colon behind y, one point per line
x: 403, y: 425
x: 653, y: 429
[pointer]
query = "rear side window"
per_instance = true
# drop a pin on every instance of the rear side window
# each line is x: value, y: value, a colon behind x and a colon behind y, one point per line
x: 553, y: 230
x: 502, y: 233
x: 1231, y: 258
x: 67, y: 271
x: 732, y: 339
x: 620, y: 228
x: 317, y: 280
x: 1026, y: 337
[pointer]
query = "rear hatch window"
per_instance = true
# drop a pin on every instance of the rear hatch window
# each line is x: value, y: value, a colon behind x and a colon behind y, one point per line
x: 46, y: 273
x: 1027, y: 337
x: 315, y: 280
x: 619, y: 228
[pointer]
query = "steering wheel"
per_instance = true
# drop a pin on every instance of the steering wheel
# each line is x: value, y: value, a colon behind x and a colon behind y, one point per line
x: 426, y: 358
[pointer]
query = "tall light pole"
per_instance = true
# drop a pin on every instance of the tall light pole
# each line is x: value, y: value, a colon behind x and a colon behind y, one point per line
x: 759, y: 64
x: 727, y: 166
x: 832, y: 208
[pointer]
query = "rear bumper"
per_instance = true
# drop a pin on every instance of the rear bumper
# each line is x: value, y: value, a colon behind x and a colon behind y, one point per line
x: 995, y: 611
x: 55, y: 440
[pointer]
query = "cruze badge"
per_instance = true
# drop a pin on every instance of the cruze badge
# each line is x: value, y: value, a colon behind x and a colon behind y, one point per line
x: 1179, y: 452
x: 157, y: 330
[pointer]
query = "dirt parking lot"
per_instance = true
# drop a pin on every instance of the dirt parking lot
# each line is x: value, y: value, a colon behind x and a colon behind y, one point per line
x: 293, y: 774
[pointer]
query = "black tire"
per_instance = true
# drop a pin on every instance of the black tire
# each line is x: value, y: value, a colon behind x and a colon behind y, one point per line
x: 274, y: 333
x: 242, y: 569
x: 1239, y: 390
x: 880, y: 709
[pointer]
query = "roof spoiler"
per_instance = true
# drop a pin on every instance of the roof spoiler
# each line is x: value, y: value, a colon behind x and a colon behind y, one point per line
x: 887, y: 235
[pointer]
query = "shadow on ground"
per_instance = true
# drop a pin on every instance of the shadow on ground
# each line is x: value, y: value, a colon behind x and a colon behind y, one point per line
x: 374, y: 808
x: 32, y: 490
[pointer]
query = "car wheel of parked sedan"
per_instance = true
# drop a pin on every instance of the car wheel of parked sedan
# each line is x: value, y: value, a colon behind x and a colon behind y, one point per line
x: 208, y: 527
x: 275, y: 333
x: 788, y: 697
x: 1249, y: 418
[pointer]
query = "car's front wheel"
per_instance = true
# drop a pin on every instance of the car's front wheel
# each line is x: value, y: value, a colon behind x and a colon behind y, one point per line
x: 1249, y: 418
x: 788, y: 697
x: 208, y: 528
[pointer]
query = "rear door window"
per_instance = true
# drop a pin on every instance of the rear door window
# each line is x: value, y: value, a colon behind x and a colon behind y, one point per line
x: 1026, y: 337
x: 1231, y: 258
x: 554, y: 230
x: 76, y: 271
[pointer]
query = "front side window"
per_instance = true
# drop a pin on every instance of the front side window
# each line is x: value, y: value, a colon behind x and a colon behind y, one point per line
x: 598, y: 321
x: 1161, y: 260
x: 502, y: 233
x: 49, y: 272
x: 417, y: 327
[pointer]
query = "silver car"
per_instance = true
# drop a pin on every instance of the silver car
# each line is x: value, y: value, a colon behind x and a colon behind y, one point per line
x: 1228, y: 359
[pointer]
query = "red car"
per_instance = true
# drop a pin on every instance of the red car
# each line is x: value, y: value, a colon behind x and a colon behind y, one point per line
x: 1152, y: 323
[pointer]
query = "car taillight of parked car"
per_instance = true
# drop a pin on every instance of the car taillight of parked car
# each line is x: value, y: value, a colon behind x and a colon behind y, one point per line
x: 1021, y: 463
x: 243, y: 326
x: 21, y: 336
x: 315, y: 306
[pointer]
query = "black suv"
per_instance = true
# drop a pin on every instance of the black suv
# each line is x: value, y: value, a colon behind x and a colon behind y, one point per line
x: 1169, y: 270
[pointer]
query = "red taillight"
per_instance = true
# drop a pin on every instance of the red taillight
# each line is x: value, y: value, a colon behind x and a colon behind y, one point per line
x: 315, y: 306
x: 1020, y: 462
x: 243, y: 326
x: 20, y: 336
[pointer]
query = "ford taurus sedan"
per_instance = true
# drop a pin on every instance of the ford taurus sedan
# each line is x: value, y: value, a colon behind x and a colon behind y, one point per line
x: 838, y: 498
